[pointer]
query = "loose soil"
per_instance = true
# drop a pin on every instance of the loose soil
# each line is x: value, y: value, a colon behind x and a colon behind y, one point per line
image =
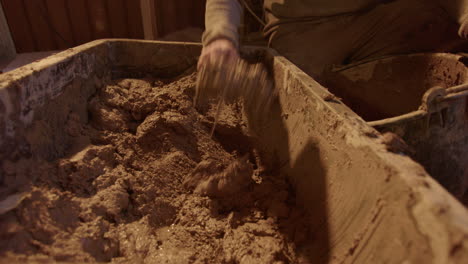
x: 145, y: 183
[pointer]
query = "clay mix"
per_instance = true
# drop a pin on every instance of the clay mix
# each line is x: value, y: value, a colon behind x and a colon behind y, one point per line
x: 144, y: 182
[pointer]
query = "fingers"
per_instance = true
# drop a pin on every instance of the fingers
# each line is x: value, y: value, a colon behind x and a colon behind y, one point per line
x: 463, y: 30
x: 220, y: 51
x: 202, y: 60
x: 217, y: 56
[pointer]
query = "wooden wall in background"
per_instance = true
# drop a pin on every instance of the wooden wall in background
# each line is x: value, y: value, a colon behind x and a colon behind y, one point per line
x: 7, y: 47
x: 173, y: 15
x: 41, y: 25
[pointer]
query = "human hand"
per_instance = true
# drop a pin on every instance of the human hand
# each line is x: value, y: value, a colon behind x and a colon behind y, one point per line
x: 463, y: 31
x: 220, y: 50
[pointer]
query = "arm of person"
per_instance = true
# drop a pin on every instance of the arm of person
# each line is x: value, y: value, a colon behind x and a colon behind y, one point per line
x: 221, y: 37
x: 458, y: 10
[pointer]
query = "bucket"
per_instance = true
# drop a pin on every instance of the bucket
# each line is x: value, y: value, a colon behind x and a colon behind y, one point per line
x: 423, y: 99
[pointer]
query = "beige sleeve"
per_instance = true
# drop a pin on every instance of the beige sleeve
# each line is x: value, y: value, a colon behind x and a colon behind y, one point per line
x: 222, y: 20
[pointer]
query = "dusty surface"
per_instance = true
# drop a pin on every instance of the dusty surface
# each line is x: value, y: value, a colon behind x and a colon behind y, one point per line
x: 144, y: 183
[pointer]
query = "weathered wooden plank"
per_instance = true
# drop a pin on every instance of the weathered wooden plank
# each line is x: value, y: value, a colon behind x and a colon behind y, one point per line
x: 99, y: 19
x: 149, y: 19
x: 58, y: 19
x: 7, y: 47
x: 118, y: 18
x: 42, y: 32
x: 79, y: 19
x: 18, y: 23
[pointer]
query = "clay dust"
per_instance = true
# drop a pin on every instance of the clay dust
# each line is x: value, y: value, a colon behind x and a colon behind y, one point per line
x: 145, y: 183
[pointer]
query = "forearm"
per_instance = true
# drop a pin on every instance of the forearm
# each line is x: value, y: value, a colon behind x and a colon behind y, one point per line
x: 222, y: 20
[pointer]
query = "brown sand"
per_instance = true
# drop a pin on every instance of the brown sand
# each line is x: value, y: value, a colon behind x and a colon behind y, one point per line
x: 144, y: 183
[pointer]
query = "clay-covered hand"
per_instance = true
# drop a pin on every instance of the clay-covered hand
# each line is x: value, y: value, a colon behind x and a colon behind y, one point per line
x: 218, y: 50
x: 463, y: 31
